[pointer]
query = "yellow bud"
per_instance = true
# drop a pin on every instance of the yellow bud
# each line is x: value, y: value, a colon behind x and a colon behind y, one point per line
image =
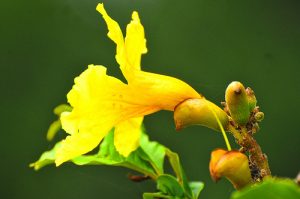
x: 237, y: 102
x: 231, y: 164
x: 199, y: 112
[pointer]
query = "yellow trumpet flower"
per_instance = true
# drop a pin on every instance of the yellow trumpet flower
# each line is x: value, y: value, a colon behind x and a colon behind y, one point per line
x: 101, y: 102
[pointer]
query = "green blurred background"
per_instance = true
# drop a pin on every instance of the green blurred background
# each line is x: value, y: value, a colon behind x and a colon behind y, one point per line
x: 207, y: 43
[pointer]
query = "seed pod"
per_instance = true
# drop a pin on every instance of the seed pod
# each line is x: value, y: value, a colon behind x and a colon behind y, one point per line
x: 199, y: 112
x: 251, y: 98
x: 237, y: 102
x: 231, y: 164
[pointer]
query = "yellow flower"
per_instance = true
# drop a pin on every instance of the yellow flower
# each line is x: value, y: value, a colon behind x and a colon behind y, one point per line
x: 101, y: 102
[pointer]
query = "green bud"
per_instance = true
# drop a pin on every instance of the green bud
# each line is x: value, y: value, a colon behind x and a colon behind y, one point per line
x: 233, y: 165
x: 237, y: 102
x: 56, y: 125
x: 199, y: 112
x: 259, y: 116
x: 62, y: 108
x: 251, y: 98
x: 53, y: 129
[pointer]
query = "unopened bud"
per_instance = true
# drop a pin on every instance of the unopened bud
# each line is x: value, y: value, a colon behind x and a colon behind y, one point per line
x: 199, y: 112
x: 259, y: 116
x: 251, y: 98
x: 62, y: 108
x: 231, y: 164
x: 237, y: 102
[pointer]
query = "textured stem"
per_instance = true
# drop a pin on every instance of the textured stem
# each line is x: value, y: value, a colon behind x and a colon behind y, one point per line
x: 258, y: 160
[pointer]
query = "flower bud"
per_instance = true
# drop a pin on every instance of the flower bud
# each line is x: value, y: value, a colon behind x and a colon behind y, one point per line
x: 259, y: 116
x: 231, y: 164
x: 199, y: 112
x: 251, y: 98
x: 62, y: 108
x: 237, y: 102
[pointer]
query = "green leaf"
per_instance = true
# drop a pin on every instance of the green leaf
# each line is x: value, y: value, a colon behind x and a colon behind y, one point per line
x: 152, y: 152
x: 147, y: 159
x: 155, y: 195
x: 108, y: 150
x: 94, y: 160
x: 169, y: 185
x: 196, y: 188
x: 272, y: 188
x: 176, y: 165
x: 135, y: 162
x: 46, y: 158
x: 108, y: 155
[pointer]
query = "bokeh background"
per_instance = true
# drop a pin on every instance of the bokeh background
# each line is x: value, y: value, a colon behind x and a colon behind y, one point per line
x: 207, y: 43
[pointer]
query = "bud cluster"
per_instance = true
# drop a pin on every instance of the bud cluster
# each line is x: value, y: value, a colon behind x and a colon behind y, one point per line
x: 241, y: 116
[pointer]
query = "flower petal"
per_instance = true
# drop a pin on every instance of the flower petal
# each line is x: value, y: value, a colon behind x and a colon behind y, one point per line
x: 99, y: 103
x: 162, y: 91
x: 114, y: 33
x: 129, y: 53
x: 79, y: 143
x: 157, y: 90
x: 135, y: 42
x: 127, y: 135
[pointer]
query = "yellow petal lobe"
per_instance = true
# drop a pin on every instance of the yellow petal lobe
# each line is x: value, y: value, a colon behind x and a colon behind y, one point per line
x: 78, y: 144
x: 114, y: 33
x: 130, y: 50
x: 135, y: 43
x: 127, y: 136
